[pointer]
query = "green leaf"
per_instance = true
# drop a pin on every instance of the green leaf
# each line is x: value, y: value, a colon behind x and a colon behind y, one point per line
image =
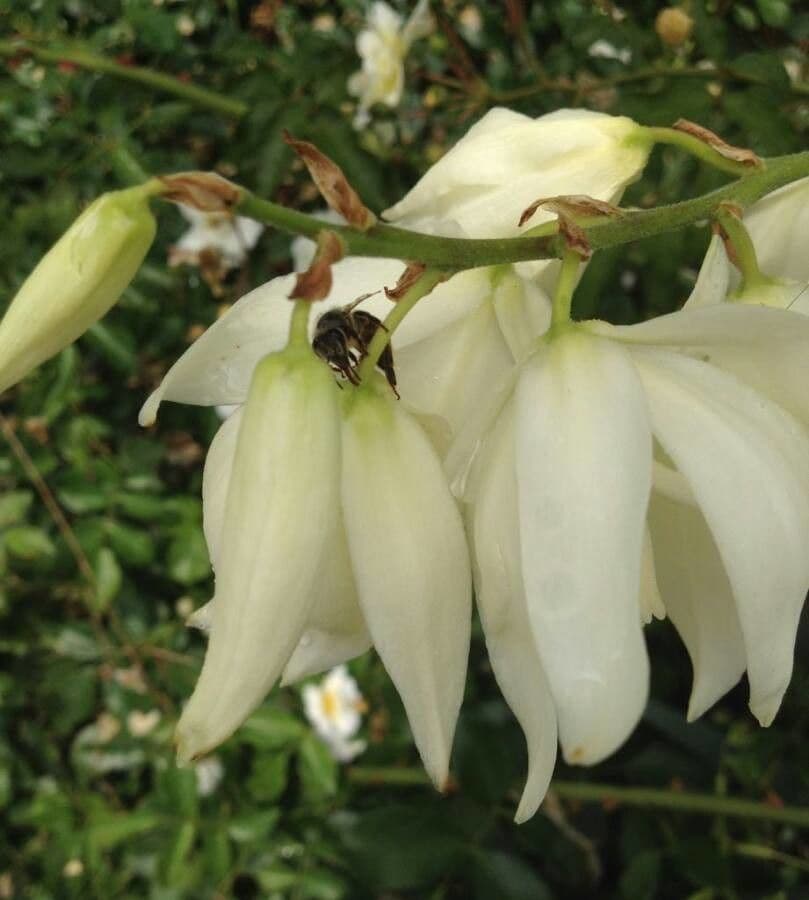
x: 272, y: 728
x: 108, y: 830
x: 13, y: 507
x: 132, y: 546
x: 496, y: 874
x: 108, y: 578
x: 317, y: 768
x: 639, y: 880
x: 400, y: 846
x: 29, y: 544
x: 268, y: 777
x: 254, y: 826
x: 175, y: 860
x: 187, y: 559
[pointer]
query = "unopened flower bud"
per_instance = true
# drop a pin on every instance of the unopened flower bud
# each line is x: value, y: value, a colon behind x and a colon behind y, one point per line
x: 673, y: 26
x: 77, y: 281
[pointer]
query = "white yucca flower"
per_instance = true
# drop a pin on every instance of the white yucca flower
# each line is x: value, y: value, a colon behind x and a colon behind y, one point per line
x: 330, y: 527
x: 382, y: 46
x: 677, y: 448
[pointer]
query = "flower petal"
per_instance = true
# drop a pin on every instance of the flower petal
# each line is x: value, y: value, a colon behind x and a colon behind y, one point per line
x: 778, y: 225
x: 335, y: 630
x: 217, y: 368
x: 507, y: 160
x: 651, y: 603
x: 583, y: 475
x: 698, y: 599
x: 448, y: 373
x: 713, y: 281
x: 747, y: 462
x: 504, y: 614
x: 285, y: 477
x: 763, y: 347
x: 216, y: 480
x: 408, y: 550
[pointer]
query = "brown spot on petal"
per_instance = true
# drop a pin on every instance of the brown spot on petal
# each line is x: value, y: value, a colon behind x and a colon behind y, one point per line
x: 205, y: 191
x: 333, y: 184
x: 315, y: 282
x: 741, y: 155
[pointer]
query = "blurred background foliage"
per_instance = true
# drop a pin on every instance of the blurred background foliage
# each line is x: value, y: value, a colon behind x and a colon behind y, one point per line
x: 101, y: 548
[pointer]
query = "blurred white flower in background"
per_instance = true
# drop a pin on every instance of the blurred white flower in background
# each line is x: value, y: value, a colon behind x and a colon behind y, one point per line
x: 141, y: 723
x: 382, y: 47
x: 209, y: 773
x: 229, y: 237
x: 602, y: 49
x: 334, y: 707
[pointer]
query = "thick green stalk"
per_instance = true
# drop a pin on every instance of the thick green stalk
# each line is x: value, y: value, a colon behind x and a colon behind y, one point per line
x: 168, y: 84
x: 601, y: 232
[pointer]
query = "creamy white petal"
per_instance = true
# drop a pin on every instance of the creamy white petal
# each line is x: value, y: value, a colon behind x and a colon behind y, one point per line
x: 651, y: 603
x: 217, y: 368
x: 215, y: 482
x: 747, y: 463
x: 765, y: 348
x: 583, y: 475
x: 411, y: 566
x: 713, y: 281
x: 507, y: 160
x: 503, y: 612
x: 523, y: 311
x: 285, y: 478
x: 698, y: 599
x: 448, y: 373
x: 335, y: 630
x: 778, y: 225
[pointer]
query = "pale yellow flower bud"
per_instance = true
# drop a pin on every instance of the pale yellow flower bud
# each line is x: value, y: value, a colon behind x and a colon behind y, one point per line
x: 77, y: 281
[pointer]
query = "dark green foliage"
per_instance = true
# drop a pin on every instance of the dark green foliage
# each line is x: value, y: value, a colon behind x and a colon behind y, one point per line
x: 90, y: 807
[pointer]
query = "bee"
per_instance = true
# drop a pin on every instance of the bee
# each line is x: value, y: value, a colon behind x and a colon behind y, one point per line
x: 342, y: 337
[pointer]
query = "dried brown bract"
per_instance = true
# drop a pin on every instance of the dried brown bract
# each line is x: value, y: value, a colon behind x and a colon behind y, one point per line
x: 572, y: 205
x: 205, y: 191
x: 406, y: 281
x: 741, y: 155
x: 315, y: 282
x: 333, y: 184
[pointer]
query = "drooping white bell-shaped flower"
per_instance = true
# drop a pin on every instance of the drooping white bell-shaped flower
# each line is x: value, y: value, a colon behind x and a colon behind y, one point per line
x: 603, y: 420
x: 77, y: 281
x: 394, y: 570
x: 285, y: 476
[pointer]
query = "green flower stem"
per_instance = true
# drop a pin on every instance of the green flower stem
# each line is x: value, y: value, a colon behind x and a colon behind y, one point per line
x: 138, y: 74
x: 696, y: 147
x: 563, y: 298
x: 299, y: 324
x: 601, y: 231
x: 676, y: 801
x: 420, y: 288
x: 746, y: 260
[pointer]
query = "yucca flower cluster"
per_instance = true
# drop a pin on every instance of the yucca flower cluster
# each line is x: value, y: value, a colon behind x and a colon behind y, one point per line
x: 576, y: 479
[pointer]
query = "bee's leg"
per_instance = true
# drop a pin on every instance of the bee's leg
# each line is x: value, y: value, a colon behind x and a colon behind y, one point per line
x: 385, y: 363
